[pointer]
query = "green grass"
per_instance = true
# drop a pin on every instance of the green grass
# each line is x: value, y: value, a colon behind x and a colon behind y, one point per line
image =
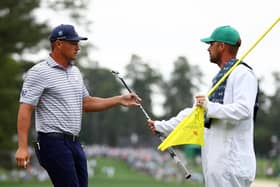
x: 105, y: 182
x: 25, y: 184
x: 124, y: 177
x: 263, y: 164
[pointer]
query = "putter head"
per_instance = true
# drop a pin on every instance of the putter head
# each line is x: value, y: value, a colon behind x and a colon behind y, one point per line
x: 115, y: 72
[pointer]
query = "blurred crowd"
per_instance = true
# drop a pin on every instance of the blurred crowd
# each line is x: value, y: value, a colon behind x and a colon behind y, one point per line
x: 151, y: 161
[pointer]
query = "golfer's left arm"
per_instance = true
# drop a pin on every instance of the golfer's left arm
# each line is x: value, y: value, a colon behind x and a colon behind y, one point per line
x: 23, y: 126
x: 96, y: 104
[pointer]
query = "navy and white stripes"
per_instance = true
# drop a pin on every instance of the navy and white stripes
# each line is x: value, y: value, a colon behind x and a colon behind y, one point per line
x: 57, y: 94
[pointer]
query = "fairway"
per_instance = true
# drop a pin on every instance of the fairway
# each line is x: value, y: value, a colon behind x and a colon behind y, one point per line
x: 105, y: 182
x: 124, y: 177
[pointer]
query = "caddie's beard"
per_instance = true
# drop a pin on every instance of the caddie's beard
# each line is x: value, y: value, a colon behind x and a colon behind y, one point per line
x: 215, y: 59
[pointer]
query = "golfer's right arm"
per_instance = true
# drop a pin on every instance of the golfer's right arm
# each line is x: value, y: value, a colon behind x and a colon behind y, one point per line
x: 23, y: 126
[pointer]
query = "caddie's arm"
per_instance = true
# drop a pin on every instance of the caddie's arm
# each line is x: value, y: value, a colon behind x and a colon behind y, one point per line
x: 166, y: 126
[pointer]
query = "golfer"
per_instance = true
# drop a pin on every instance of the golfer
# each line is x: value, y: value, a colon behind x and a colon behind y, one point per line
x: 54, y: 88
x: 228, y: 156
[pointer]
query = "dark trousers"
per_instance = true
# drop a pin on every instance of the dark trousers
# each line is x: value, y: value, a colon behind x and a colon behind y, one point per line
x: 64, y: 160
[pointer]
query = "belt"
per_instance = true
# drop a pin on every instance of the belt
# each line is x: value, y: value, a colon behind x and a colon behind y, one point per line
x: 66, y: 135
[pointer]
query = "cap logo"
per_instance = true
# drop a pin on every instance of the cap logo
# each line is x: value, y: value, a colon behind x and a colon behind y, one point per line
x: 60, y: 33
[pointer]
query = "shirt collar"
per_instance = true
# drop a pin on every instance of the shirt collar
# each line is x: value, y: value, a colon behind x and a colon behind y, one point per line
x: 52, y: 63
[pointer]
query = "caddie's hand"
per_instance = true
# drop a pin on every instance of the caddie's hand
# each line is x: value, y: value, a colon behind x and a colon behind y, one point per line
x: 151, y: 124
x: 23, y: 157
x: 201, y: 100
x: 130, y: 99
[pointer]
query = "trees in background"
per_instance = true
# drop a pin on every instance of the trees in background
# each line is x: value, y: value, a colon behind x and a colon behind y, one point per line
x: 21, y: 34
x: 118, y: 125
x: 142, y: 79
x: 179, y: 89
x: 102, y: 127
x: 267, y: 131
x: 16, y: 26
x: 178, y: 93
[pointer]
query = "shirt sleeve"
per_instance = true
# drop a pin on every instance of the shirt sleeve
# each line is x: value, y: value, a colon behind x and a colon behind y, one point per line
x: 33, y: 87
x: 166, y: 126
x: 85, y: 91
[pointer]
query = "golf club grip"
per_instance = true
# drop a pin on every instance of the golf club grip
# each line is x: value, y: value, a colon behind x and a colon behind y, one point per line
x: 145, y: 113
x: 125, y: 85
x: 179, y: 163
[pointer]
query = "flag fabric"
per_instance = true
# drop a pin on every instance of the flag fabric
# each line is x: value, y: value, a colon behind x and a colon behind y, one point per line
x: 189, y: 131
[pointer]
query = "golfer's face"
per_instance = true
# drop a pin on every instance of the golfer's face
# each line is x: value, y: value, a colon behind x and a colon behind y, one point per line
x: 70, y: 49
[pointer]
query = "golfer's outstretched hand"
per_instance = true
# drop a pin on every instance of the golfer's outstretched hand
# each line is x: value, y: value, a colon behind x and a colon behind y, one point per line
x: 130, y: 99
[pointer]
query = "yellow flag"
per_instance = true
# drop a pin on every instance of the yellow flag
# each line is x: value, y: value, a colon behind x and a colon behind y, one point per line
x: 189, y: 131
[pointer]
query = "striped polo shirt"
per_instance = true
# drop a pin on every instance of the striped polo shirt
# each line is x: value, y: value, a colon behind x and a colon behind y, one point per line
x: 57, y: 94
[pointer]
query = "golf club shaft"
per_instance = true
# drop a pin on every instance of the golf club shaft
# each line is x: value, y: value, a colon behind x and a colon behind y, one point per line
x: 130, y: 91
x: 170, y: 150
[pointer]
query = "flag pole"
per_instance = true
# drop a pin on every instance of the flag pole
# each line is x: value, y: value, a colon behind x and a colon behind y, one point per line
x: 242, y: 57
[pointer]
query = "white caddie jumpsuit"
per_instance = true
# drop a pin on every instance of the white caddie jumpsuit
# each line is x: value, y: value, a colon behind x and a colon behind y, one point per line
x: 228, y: 157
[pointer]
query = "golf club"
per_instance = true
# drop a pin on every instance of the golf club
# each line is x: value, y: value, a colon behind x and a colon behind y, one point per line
x: 170, y: 150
